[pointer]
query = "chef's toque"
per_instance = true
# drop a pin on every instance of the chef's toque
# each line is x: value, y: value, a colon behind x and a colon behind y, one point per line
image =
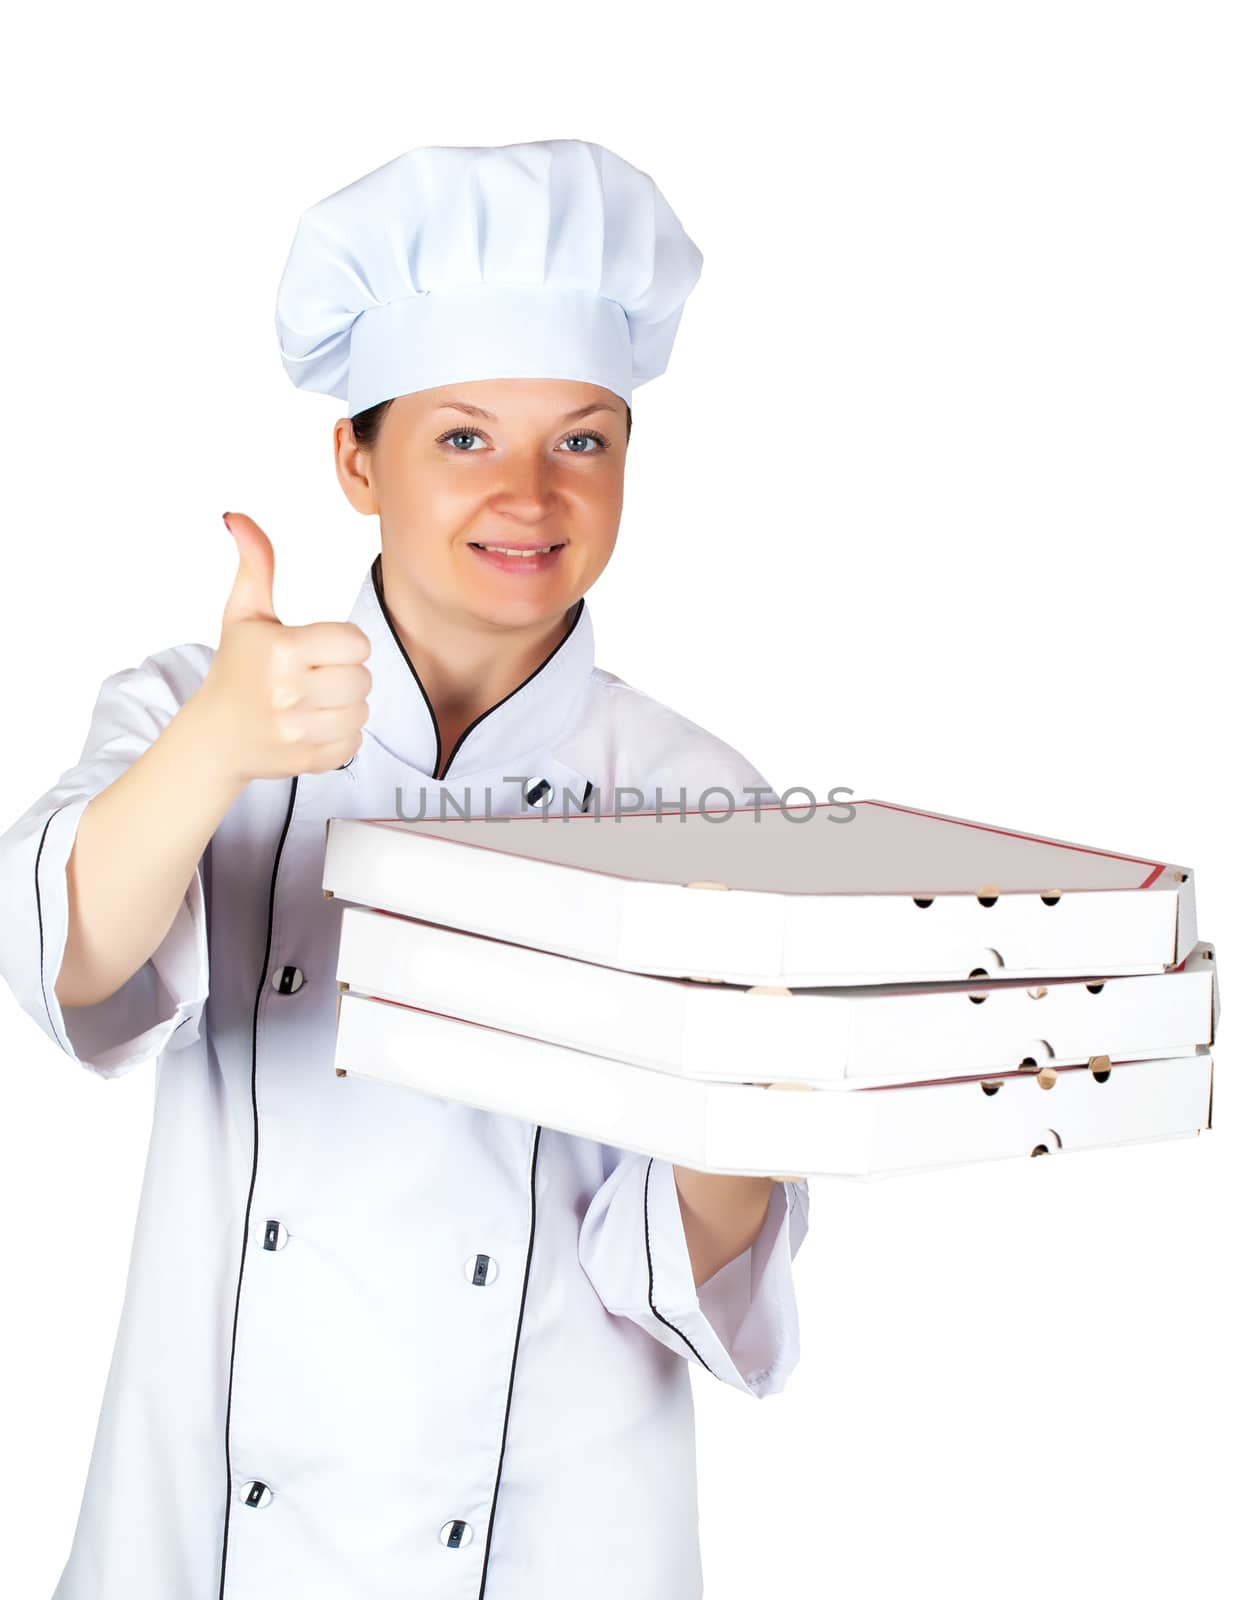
x: 553, y: 259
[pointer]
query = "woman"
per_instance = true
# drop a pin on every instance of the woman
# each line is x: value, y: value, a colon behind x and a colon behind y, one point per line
x: 375, y: 1343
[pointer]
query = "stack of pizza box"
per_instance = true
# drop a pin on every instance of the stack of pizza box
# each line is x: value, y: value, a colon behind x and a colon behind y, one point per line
x: 941, y: 991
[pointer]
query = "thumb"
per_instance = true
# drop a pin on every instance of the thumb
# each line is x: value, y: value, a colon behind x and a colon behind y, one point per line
x: 251, y: 595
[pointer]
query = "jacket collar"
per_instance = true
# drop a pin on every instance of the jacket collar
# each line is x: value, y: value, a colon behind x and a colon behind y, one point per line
x: 526, y: 721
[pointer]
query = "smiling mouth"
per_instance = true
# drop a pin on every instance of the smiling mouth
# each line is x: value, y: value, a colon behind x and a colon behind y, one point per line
x: 516, y: 550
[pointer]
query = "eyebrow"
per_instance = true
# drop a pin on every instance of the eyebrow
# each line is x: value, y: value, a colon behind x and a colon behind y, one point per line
x: 571, y: 416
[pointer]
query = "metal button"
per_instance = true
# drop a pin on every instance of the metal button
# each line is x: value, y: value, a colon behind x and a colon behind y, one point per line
x: 287, y: 980
x: 480, y: 1270
x: 255, y: 1493
x: 456, y: 1533
x: 275, y: 1233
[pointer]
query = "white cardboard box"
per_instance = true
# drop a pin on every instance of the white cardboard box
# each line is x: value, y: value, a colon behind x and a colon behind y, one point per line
x: 746, y: 1129
x: 757, y: 898
x: 835, y: 1038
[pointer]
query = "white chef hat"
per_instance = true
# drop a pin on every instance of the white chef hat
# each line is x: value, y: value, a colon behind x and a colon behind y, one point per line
x: 554, y: 259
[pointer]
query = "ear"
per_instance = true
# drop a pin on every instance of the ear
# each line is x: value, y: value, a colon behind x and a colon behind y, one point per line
x: 354, y: 469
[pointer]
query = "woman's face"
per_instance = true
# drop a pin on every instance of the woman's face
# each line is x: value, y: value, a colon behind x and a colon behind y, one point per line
x: 509, y: 462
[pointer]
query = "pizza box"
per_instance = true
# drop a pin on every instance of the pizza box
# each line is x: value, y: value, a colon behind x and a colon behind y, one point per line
x: 755, y: 897
x: 835, y: 1038
x: 748, y: 1128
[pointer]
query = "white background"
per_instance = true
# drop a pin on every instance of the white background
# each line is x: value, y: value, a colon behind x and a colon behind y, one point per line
x: 939, y: 498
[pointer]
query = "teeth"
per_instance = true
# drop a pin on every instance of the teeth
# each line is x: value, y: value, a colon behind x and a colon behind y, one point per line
x: 505, y: 551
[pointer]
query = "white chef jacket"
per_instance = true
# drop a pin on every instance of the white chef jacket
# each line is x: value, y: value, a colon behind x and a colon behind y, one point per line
x: 375, y: 1344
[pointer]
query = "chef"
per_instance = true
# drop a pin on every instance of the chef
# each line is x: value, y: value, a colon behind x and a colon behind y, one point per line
x: 375, y: 1344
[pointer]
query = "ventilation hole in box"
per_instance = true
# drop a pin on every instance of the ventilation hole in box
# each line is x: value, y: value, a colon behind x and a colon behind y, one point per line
x: 1100, y: 1074
x: 978, y: 999
x: 1040, y: 1150
x: 1038, y: 993
x: 987, y: 895
x: 990, y: 1088
x: 922, y: 901
x: 1095, y: 988
x: 1028, y: 1061
x: 1181, y: 877
x: 1052, y: 898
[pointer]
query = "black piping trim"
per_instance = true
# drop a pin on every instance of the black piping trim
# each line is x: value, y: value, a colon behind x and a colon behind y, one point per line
x: 531, y: 1240
x: 263, y: 983
x: 39, y: 913
x: 377, y: 581
x: 651, y: 1301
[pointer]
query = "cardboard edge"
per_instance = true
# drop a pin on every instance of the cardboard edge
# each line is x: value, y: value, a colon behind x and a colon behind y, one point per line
x: 341, y: 988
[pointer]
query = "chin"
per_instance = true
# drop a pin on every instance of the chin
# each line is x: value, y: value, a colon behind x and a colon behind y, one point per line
x: 522, y: 600
x: 545, y: 603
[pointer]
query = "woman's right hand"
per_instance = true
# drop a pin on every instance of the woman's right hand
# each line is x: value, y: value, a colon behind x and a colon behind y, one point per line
x: 281, y: 700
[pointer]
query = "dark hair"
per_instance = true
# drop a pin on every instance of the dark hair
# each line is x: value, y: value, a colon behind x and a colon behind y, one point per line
x: 367, y: 424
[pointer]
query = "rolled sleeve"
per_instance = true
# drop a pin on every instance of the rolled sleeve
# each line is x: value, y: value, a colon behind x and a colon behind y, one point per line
x: 742, y: 1325
x: 160, y: 1007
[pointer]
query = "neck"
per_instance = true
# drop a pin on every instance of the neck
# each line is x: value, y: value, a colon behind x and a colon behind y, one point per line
x: 465, y: 665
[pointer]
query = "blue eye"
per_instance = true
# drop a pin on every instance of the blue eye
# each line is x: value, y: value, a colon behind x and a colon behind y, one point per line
x: 461, y: 433
x: 589, y: 433
x: 602, y: 444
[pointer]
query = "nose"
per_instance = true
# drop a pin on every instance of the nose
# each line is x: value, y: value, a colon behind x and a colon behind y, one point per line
x: 522, y: 488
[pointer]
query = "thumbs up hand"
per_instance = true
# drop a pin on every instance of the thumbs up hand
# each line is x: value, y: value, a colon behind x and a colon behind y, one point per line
x: 287, y: 700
